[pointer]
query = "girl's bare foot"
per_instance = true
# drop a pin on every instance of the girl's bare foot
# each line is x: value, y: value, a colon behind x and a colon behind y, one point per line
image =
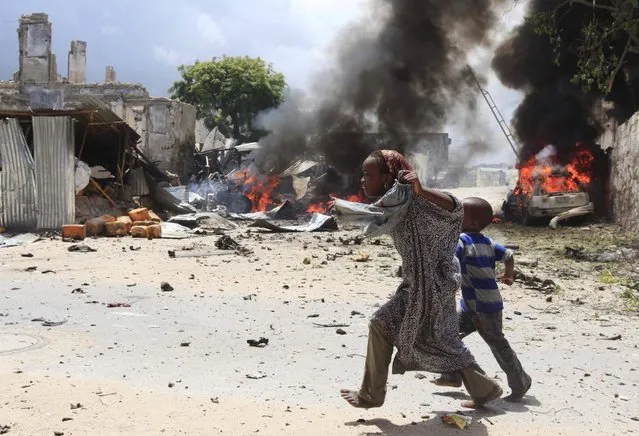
x: 448, y: 383
x: 477, y: 403
x: 353, y: 398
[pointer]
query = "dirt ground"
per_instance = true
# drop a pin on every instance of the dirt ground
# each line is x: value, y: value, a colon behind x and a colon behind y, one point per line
x: 178, y: 362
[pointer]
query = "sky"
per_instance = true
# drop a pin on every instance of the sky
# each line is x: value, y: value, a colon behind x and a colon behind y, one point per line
x: 145, y: 40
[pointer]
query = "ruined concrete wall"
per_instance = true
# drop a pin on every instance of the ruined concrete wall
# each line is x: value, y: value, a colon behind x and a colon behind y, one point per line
x: 34, y: 36
x: 186, y: 138
x: 78, y: 62
x: 169, y: 135
x: 625, y: 172
x: 110, y: 91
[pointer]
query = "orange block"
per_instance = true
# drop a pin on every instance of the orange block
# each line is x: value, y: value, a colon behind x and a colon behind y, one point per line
x: 108, y: 218
x: 143, y: 223
x: 139, y: 231
x: 141, y: 214
x: 154, y: 217
x: 116, y: 228
x: 74, y: 231
x: 154, y: 231
x: 127, y: 221
x: 95, y: 227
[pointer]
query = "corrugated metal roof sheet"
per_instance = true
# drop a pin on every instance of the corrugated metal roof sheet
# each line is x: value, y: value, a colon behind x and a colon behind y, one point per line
x: 55, y: 173
x: 18, y: 211
x: 136, y: 182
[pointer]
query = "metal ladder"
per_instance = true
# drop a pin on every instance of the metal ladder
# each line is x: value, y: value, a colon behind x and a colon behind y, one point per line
x: 503, y: 125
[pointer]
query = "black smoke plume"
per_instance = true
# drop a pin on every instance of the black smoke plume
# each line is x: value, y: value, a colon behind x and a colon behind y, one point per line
x: 554, y: 110
x: 397, y: 73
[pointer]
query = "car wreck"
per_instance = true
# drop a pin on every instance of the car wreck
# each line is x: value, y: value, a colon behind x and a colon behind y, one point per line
x: 548, y: 192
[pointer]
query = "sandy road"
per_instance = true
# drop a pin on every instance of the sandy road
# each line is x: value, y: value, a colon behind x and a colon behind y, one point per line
x: 131, y: 369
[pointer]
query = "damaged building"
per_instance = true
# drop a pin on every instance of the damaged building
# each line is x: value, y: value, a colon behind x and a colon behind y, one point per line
x: 50, y: 126
x: 166, y: 127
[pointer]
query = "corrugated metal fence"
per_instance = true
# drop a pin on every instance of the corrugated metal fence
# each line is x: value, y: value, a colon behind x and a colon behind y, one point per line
x: 54, y: 146
x: 17, y: 180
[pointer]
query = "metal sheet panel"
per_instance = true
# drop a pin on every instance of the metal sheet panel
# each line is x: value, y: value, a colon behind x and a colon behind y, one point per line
x: 136, y: 182
x: 54, y: 147
x: 18, y: 210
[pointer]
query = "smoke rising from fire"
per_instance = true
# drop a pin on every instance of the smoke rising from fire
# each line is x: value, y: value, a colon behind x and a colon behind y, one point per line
x: 554, y: 111
x: 399, y: 71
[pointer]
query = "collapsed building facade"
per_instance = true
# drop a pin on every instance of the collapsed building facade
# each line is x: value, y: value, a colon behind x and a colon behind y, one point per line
x: 49, y: 122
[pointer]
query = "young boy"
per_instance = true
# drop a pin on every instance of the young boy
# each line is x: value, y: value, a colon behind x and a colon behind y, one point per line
x: 481, y: 303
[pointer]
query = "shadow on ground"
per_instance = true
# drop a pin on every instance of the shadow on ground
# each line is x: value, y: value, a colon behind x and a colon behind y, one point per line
x: 433, y: 426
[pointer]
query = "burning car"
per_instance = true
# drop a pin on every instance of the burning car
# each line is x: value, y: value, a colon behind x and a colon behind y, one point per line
x: 545, y: 189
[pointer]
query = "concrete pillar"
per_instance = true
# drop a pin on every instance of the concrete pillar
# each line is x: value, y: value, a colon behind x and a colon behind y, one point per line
x: 110, y: 75
x: 34, y: 35
x: 78, y: 62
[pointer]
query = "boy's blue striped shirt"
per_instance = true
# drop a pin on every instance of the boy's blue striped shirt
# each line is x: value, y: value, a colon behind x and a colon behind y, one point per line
x: 478, y: 255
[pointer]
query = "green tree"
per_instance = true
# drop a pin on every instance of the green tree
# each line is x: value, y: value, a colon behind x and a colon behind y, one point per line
x: 229, y: 92
x: 606, y: 38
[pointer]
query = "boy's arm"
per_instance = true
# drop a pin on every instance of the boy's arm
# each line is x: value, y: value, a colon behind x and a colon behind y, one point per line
x: 504, y: 254
x: 509, y: 275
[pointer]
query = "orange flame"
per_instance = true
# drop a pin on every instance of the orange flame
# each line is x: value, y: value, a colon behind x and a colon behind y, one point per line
x: 259, y: 189
x: 322, y: 207
x: 549, y: 177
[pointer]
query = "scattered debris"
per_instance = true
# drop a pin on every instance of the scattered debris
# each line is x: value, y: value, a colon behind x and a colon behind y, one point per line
x: 185, y: 344
x: 67, y: 419
x: 331, y: 325
x: 611, y: 338
x: 318, y: 223
x: 165, y: 287
x: 533, y: 282
x: 215, y: 400
x: 420, y: 376
x: 256, y: 376
x: 76, y: 406
x: 132, y: 248
x: 620, y: 255
x: 26, y: 255
x: 48, y: 271
x: 111, y: 305
x: 307, y: 261
x: 175, y: 231
x: 340, y: 332
x: 261, y: 343
x: 31, y: 269
x: 355, y: 240
x: 78, y: 291
x: 362, y: 257
x: 460, y: 421
x: 188, y: 253
x: 81, y: 248
x: 46, y: 323
x: 228, y: 243
x: 4, y: 429
x: 19, y: 240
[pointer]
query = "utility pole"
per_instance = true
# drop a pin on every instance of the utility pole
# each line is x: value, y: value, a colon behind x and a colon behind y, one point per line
x: 503, y: 125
